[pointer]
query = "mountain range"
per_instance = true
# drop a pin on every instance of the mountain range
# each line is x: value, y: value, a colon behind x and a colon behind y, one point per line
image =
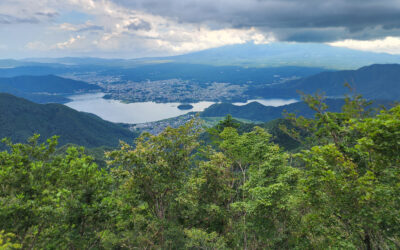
x: 247, y: 55
x: 284, y: 54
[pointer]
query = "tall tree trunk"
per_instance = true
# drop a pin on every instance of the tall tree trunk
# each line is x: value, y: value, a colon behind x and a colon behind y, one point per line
x: 367, y: 241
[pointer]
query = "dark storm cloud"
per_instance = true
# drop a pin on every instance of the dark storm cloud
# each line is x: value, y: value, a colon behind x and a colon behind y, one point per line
x: 291, y: 20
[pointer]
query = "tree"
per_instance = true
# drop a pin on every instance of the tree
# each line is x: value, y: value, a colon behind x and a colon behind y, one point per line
x: 152, y: 175
x: 50, y: 200
x: 271, y: 188
x: 205, y: 199
x: 244, y: 151
x: 348, y: 186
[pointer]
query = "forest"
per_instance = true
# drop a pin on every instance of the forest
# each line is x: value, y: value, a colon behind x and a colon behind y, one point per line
x: 217, y: 188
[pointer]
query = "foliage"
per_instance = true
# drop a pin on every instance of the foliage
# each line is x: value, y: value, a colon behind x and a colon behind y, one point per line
x: 6, y: 241
x: 152, y: 174
x: 173, y: 191
x: 199, y: 239
x: 50, y: 201
x: 350, y: 177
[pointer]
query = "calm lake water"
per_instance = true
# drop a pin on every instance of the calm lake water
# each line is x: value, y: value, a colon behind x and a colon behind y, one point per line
x: 140, y: 112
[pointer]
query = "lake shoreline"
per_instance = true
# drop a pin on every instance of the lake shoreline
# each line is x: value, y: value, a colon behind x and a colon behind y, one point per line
x: 143, y: 112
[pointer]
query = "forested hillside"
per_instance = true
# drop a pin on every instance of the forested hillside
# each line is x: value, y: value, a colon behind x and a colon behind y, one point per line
x: 20, y: 119
x: 257, y: 112
x: 241, y: 191
x: 378, y: 81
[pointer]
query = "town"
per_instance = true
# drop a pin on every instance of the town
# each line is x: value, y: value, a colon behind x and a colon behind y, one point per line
x: 175, y: 90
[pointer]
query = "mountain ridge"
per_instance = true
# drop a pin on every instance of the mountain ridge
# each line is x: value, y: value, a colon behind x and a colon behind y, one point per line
x: 20, y: 119
x: 377, y: 81
x: 257, y: 112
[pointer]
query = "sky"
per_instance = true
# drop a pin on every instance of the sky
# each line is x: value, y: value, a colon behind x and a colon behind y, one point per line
x: 148, y: 28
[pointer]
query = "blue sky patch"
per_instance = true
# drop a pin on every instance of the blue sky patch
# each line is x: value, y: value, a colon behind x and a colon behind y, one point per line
x: 74, y: 17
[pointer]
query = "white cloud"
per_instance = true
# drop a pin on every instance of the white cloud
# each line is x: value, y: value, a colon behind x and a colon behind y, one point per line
x: 187, y: 40
x: 68, y: 44
x: 135, y: 33
x: 389, y: 45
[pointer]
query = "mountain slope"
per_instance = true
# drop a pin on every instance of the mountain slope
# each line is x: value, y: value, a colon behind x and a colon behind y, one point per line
x: 379, y: 81
x: 43, y: 89
x: 20, y: 119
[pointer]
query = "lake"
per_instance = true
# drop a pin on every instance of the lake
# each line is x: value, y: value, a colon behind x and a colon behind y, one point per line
x: 141, y: 112
x: 138, y: 112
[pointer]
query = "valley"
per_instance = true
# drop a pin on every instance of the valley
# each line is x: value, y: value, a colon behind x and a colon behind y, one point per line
x: 146, y: 99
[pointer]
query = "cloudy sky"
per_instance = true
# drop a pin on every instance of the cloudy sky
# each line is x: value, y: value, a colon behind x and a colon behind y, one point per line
x: 140, y: 28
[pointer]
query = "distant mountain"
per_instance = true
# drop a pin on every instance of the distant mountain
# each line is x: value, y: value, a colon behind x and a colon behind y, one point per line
x: 255, y: 111
x: 285, y: 54
x: 379, y: 81
x: 247, y: 55
x: 9, y: 63
x: 34, y: 70
x: 44, y: 89
x: 138, y: 72
x: 20, y: 119
x: 50, y: 84
x: 72, y: 60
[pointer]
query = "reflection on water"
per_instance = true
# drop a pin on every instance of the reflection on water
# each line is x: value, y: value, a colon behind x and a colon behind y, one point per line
x: 269, y: 102
x: 140, y: 112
